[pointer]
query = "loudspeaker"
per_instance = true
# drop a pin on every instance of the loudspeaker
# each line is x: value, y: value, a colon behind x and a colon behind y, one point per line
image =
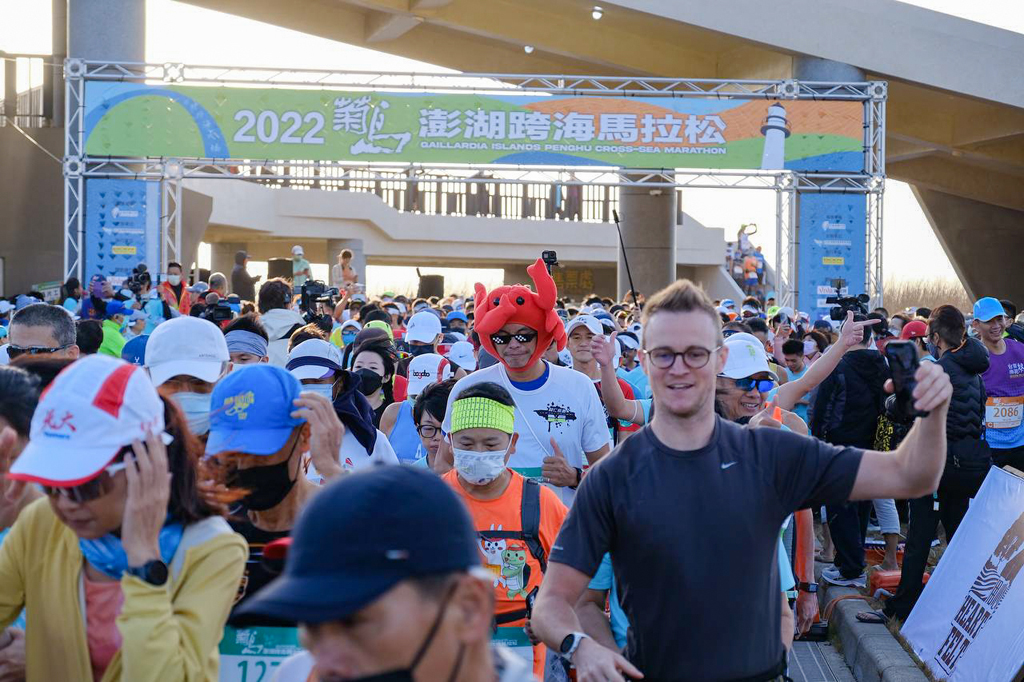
x: 279, y: 267
x: 431, y: 285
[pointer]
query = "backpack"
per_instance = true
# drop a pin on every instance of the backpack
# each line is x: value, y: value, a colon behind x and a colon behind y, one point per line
x: 530, y: 536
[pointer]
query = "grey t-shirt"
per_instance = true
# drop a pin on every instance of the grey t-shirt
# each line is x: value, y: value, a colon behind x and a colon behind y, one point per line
x: 693, y: 537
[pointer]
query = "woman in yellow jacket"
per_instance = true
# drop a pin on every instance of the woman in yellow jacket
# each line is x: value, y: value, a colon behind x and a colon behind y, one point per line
x: 126, y: 574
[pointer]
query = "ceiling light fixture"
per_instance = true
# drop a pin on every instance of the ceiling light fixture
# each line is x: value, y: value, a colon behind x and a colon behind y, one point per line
x: 597, y: 12
x: 528, y: 49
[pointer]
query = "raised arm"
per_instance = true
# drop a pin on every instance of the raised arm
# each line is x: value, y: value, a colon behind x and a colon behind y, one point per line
x: 617, y: 404
x: 915, y: 467
x: 852, y: 334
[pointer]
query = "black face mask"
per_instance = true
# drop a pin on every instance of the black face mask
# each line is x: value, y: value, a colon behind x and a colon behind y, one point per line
x: 267, y: 485
x: 417, y: 349
x: 406, y: 674
x: 369, y: 381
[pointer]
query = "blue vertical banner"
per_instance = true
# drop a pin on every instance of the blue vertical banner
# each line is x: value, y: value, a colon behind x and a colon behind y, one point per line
x: 122, y: 227
x: 832, y: 247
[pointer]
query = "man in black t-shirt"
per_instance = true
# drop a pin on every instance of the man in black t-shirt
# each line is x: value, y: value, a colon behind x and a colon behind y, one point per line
x: 690, y: 508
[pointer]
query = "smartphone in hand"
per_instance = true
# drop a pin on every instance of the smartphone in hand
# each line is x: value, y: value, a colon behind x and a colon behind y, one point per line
x: 903, y: 364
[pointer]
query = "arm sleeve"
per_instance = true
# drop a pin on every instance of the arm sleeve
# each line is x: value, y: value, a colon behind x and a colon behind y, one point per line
x: 808, y: 472
x: 12, y: 577
x: 589, y: 528
x: 169, y: 638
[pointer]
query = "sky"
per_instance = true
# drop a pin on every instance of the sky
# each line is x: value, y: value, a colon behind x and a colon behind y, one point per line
x: 216, y: 38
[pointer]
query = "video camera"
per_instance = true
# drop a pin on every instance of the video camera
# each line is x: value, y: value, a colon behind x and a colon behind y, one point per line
x: 550, y: 259
x: 218, y: 310
x: 315, y: 292
x: 139, y: 278
x: 843, y: 304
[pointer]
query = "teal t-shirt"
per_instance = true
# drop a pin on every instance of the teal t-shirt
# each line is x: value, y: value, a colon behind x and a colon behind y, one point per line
x: 637, y: 379
x: 604, y: 579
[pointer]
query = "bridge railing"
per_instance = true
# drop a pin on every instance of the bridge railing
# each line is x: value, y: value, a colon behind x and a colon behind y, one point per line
x: 432, y: 195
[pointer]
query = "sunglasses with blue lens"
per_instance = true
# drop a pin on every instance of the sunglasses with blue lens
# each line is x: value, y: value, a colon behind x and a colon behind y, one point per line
x: 762, y: 385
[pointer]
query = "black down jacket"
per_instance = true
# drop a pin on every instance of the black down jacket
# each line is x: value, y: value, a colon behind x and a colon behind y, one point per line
x: 850, y: 400
x: 965, y: 365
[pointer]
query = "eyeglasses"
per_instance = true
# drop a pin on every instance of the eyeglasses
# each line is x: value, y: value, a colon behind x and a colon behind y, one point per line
x: 693, y: 357
x: 763, y: 385
x: 16, y: 351
x: 92, y: 490
x: 428, y: 431
x: 522, y: 337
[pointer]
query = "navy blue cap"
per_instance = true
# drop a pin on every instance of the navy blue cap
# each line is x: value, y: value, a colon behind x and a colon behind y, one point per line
x: 359, y: 537
x: 250, y: 410
x: 135, y: 350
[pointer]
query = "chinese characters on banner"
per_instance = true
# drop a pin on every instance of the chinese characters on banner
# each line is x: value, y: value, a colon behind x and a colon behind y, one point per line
x: 522, y: 129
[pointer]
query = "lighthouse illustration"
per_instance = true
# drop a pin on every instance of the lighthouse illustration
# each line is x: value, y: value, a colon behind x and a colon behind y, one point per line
x: 775, y: 133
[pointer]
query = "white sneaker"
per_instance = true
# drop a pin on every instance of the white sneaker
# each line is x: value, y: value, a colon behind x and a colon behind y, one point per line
x: 832, y: 576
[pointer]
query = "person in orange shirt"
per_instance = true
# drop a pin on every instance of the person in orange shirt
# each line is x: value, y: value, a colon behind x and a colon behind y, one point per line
x: 174, y: 291
x: 517, y: 518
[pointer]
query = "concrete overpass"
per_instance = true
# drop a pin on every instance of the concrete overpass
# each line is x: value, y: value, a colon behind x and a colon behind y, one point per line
x: 267, y: 222
x: 956, y: 98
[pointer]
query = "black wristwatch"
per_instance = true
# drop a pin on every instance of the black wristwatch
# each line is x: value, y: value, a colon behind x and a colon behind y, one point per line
x: 153, y: 572
x: 579, y: 477
x: 810, y: 588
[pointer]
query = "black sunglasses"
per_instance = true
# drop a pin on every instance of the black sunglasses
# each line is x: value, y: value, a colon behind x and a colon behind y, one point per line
x: 522, y: 337
x: 17, y: 351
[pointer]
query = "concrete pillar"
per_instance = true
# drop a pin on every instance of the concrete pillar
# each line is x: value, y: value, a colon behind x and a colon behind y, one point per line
x: 107, y: 30
x: 335, y: 246
x: 222, y: 258
x: 648, y: 218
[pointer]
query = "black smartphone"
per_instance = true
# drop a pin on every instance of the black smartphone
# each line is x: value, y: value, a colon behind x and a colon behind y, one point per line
x: 903, y: 364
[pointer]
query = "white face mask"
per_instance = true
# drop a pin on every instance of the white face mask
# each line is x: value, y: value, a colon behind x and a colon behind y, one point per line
x: 174, y: 280
x: 326, y: 390
x: 196, y: 407
x: 480, y: 468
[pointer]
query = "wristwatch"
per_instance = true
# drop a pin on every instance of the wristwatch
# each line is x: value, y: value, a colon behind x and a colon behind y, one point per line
x: 153, y: 572
x: 810, y: 588
x: 571, y: 643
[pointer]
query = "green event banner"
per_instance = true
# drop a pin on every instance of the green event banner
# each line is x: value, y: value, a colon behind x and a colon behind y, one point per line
x: 141, y: 120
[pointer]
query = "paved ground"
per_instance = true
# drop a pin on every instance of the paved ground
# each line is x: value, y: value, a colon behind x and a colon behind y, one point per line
x: 818, y: 662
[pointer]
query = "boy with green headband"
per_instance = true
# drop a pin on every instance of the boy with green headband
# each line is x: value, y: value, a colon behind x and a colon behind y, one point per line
x: 517, y: 518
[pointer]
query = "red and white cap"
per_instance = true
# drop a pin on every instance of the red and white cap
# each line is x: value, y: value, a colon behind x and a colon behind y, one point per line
x: 426, y: 369
x: 95, y: 407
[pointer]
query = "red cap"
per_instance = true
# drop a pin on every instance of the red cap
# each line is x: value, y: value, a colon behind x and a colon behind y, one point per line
x: 914, y: 330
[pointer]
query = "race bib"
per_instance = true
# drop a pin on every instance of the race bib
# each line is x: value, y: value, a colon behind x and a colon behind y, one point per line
x: 1004, y: 413
x: 515, y: 640
x: 253, y: 654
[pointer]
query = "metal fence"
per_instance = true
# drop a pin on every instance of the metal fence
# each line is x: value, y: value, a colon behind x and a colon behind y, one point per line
x: 568, y: 200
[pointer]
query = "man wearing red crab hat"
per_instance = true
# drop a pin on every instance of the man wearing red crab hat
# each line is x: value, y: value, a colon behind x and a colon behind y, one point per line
x: 559, y: 417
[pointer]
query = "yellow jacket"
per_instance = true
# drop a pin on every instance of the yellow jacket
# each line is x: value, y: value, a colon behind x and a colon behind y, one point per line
x: 169, y: 633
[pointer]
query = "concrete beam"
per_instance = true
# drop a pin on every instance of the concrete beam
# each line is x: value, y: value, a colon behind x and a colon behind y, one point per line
x: 982, y: 242
x: 879, y: 36
x: 418, y: 5
x: 382, y: 27
x: 971, y: 181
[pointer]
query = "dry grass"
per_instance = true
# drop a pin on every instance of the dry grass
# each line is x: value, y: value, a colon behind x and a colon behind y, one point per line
x: 928, y: 293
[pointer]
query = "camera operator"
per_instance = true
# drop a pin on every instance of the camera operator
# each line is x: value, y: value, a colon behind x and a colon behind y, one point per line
x: 217, y: 310
x: 968, y: 457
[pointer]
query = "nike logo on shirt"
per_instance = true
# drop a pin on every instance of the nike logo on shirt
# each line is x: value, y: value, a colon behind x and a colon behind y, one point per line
x: 727, y: 465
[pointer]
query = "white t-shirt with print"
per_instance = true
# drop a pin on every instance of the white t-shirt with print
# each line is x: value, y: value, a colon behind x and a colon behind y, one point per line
x: 566, y: 407
x: 354, y: 456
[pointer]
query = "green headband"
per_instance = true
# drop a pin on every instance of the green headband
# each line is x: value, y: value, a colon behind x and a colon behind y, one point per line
x: 482, y: 413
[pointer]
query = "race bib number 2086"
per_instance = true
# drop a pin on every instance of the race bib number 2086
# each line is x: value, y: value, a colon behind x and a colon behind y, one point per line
x: 1004, y: 413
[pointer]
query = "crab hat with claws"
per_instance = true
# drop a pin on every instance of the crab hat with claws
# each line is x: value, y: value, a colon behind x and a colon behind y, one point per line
x: 517, y: 304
